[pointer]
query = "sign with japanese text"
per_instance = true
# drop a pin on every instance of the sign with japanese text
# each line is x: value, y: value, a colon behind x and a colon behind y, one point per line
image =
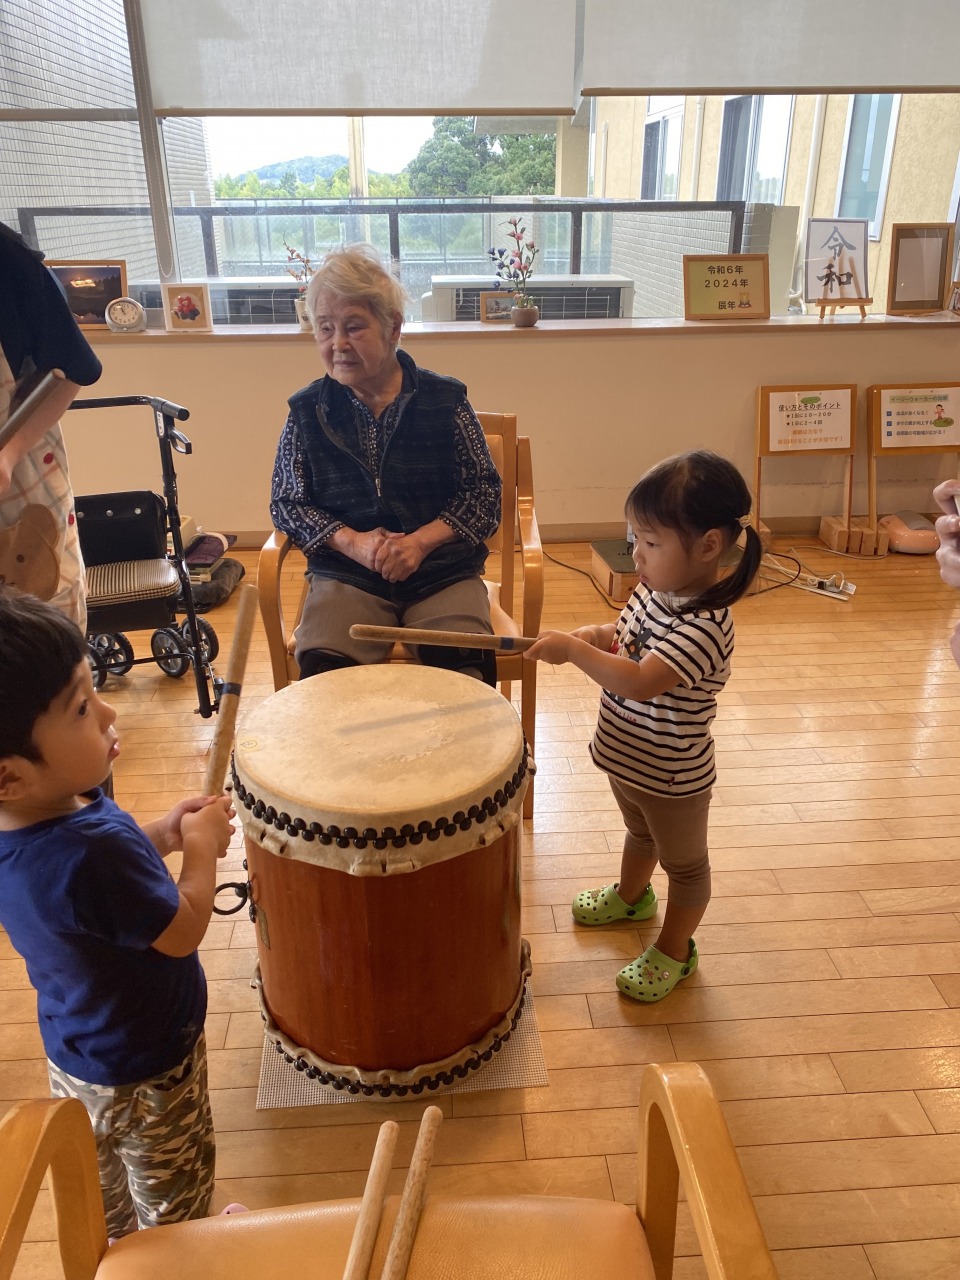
x: 807, y: 419
x: 728, y: 286
x: 916, y: 417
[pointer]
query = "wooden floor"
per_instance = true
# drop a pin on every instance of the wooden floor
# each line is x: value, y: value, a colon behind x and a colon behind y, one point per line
x: 826, y: 1009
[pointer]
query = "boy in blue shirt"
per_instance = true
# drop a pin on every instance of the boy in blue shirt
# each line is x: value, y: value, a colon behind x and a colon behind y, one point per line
x: 108, y: 937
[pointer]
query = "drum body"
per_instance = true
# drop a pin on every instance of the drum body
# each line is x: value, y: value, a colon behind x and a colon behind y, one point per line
x: 381, y: 809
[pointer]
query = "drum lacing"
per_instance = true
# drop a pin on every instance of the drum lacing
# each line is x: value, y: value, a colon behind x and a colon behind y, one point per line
x: 461, y: 820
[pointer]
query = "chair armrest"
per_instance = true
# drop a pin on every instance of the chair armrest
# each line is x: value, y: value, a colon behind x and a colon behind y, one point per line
x: 531, y: 547
x: 682, y: 1131
x: 55, y: 1134
x: 272, y: 556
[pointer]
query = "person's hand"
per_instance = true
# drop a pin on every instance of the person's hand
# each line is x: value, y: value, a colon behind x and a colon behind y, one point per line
x: 166, y: 833
x: 948, y: 531
x: 399, y: 556
x: 365, y: 547
x: 211, y: 823
x: 551, y: 646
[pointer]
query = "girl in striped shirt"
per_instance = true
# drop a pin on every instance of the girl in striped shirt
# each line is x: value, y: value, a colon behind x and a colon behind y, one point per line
x: 653, y: 735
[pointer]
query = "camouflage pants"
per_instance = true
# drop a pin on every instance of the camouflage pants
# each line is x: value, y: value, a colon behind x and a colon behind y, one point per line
x: 155, y: 1143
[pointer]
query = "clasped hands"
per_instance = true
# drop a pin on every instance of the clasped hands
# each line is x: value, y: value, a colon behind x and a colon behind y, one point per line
x: 395, y: 556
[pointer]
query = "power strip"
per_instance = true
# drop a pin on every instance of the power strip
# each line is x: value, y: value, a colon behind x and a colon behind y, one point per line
x: 807, y: 581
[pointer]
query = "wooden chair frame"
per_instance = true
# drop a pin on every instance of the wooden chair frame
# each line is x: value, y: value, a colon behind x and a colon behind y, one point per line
x: 683, y: 1137
x: 516, y: 607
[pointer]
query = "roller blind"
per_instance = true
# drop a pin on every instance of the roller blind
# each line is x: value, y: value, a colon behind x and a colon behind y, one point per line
x: 770, y: 46
x: 361, y: 57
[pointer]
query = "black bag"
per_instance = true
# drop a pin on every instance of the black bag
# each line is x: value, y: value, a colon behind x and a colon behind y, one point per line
x: 207, y: 595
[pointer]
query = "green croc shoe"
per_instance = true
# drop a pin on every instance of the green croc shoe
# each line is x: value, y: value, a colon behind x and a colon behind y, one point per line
x: 603, y: 906
x: 653, y: 975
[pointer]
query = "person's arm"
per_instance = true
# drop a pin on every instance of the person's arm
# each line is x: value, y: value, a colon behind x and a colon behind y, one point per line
x: 472, y: 514
x: 638, y: 681
x: 474, y: 511
x: 601, y: 635
x: 205, y: 837
x: 307, y: 525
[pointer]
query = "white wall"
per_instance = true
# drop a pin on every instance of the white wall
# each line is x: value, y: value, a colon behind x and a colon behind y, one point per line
x: 600, y: 405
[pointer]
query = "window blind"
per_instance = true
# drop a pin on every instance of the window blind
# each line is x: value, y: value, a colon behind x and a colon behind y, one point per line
x: 361, y: 57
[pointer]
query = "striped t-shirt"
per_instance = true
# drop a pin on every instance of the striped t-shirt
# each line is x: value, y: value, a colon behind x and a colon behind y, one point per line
x: 664, y: 745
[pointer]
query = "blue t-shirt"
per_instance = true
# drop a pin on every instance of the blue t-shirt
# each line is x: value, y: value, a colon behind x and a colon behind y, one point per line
x: 82, y: 898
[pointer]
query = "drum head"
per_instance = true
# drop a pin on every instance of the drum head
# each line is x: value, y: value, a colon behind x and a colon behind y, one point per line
x: 380, y: 748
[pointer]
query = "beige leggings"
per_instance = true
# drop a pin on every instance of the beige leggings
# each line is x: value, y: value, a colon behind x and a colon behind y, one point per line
x: 672, y: 829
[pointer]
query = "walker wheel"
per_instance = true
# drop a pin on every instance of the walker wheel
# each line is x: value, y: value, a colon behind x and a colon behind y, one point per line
x: 97, y: 670
x: 209, y: 644
x: 170, y: 650
x: 115, y: 651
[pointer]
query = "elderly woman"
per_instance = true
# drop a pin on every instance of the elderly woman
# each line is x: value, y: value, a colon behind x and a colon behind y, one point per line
x: 384, y: 480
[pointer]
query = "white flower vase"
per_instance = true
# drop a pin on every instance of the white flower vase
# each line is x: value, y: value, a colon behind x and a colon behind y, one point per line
x: 302, y: 317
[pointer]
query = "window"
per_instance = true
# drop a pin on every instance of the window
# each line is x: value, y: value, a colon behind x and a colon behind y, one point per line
x: 754, y: 139
x: 662, y: 134
x: 865, y: 166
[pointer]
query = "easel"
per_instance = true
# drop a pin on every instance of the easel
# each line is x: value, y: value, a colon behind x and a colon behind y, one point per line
x: 826, y: 305
x: 878, y: 447
x: 838, y: 527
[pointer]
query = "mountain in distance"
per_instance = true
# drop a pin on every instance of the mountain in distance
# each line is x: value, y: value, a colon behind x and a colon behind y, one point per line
x: 306, y: 168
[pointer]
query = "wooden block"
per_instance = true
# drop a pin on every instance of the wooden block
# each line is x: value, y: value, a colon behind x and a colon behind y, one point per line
x: 764, y: 533
x: 853, y: 540
x: 868, y: 535
x: 613, y: 570
x: 883, y: 541
x: 834, y: 533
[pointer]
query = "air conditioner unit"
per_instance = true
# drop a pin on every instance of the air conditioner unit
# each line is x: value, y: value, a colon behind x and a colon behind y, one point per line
x: 558, y: 297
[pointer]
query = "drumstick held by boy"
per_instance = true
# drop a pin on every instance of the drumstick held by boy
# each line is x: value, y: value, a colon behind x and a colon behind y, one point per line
x: 109, y: 939
x: 660, y: 668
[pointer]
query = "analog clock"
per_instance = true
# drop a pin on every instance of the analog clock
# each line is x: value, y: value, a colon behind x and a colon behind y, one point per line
x: 125, y: 315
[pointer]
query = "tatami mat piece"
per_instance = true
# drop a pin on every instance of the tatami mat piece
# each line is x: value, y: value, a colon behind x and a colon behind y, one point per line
x: 518, y: 1065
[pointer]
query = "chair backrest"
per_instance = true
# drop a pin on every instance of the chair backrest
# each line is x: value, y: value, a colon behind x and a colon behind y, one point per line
x: 500, y: 430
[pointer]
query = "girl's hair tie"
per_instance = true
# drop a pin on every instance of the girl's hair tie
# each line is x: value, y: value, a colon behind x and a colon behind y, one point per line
x: 745, y: 521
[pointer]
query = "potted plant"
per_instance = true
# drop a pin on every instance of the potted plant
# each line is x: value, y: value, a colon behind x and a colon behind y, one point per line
x: 301, y: 268
x: 514, y: 268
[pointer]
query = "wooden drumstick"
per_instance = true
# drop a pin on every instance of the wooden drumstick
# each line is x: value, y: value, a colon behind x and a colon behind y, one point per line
x: 371, y: 1207
x: 411, y: 1201
x: 447, y: 639
x: 230, y: 692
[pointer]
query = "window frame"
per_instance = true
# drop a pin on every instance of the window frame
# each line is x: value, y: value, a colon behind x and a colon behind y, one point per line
x: 754, y: 129
x: 874, y: 224
x: 663, y: 118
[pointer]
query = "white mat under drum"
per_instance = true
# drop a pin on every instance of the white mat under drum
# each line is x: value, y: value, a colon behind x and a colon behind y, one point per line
x: 518, y: 1065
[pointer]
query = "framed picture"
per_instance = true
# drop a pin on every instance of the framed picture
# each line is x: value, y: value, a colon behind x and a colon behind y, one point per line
x: 496, y: 306
x: 921, y: 255
x: 954, y: 303
x: 835, y: 264
x: 89, y: 286
x: 186, y: 308
x: 726, y: 286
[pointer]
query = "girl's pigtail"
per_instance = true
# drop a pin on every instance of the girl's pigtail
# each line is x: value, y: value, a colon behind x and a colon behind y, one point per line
x: 733, y: 585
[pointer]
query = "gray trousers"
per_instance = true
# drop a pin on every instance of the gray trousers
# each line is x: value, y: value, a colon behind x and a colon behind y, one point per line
x: 332, y: 607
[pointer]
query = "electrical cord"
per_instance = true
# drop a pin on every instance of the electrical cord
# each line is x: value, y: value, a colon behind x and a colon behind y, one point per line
x: 773, y: 562
x: 614, y: 604
x: 849, y: 555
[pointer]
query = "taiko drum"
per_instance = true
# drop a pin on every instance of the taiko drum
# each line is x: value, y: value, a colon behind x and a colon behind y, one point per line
x: 381, y: 810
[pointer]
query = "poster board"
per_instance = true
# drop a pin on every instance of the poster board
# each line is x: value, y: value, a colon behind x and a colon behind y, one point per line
x: 726, y: 286
x: 807, y: 419
x: 915, y: 417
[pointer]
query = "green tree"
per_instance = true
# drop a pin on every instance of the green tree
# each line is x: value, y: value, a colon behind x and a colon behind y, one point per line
x: 456, y: 161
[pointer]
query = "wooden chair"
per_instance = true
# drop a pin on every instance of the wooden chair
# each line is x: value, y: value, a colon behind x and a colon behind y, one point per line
x: 515, y: 608
x: 683, y: 1137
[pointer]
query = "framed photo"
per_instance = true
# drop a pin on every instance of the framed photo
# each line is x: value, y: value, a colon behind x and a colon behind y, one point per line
x: 89, y: 286
x: 807, y: 419
x: 921, y: 255
x: 496, y: 306
x: 954, y: 303
x: 726, y: 286
x: 835, y: 264
x: 186, y: 308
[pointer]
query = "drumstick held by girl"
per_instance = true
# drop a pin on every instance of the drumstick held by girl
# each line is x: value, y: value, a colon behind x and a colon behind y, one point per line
x: 660, y: 667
